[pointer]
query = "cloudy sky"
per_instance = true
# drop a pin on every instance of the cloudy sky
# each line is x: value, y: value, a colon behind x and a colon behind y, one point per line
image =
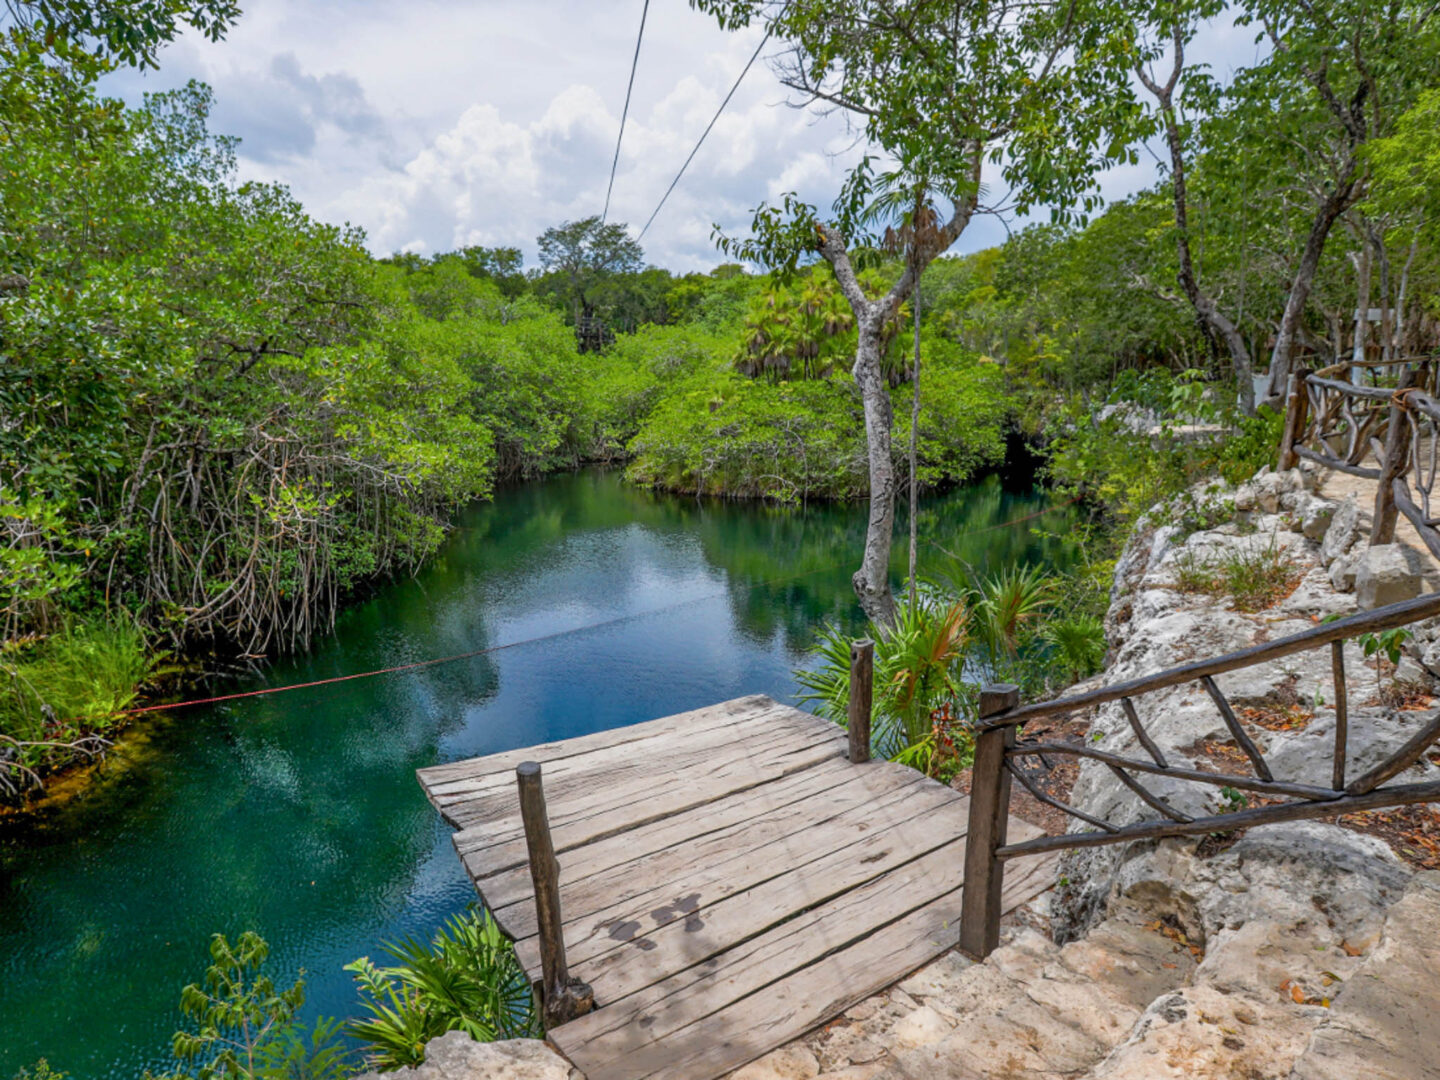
x: 436, y: 124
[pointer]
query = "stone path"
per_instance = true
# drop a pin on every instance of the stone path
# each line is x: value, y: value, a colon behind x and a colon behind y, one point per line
x: 1284, y: 998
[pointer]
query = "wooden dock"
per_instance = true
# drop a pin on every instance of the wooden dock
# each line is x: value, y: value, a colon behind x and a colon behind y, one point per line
x: 728, y: 879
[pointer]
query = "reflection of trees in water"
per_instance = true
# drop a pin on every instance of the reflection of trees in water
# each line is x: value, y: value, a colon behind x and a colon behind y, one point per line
x: 788, y: 571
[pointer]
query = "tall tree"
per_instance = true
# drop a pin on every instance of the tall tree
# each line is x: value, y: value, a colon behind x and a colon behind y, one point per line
x: 1339, y: 75
x: 939, y: 87
x: 587, y: 252
x: 1172, y: 26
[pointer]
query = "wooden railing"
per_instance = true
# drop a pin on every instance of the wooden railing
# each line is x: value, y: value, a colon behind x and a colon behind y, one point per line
x: 1340, y: 424
x: 1000, y: 744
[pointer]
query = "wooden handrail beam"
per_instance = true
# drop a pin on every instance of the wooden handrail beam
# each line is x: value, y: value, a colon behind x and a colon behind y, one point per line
x: 1365, y: 622
x: 1405, y: 795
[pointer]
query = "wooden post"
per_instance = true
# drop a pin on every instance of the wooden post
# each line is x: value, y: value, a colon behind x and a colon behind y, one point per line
x: 1297, y: 409
x: 1395, y: 465
x: 562, y: 998
x: 1342, y: 714
x: 989, y: 813
x: 862, y: 696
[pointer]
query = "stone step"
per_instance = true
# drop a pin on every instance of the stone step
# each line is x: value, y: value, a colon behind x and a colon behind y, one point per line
x: 1032, y: 1011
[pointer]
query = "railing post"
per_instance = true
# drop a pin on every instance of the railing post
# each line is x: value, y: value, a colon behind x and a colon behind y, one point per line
x: 989, y: 813
x: 1397, y: 461
x: 562, y: 998
x: 1297, y: 408
x: 862, y: 694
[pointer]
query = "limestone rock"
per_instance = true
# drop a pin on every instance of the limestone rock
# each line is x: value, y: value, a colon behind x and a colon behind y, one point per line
x: 1386, y: 574
x: 793, y: 1062
x: 1315, y: 515
x: 1342, y: 573
x: 1382, y: 1022
x: 1372, y: 736
x: 922, y: 1026
x: 939, y: 977
x: 854, y: 1072
x: 1344, y: 530
x: 1200, y: 1032
x: 456, y: 1056
x: 1295, y: 874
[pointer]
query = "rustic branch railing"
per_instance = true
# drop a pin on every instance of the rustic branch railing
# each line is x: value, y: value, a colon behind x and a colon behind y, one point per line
x: 1339, y: 424
x: 999, y: 751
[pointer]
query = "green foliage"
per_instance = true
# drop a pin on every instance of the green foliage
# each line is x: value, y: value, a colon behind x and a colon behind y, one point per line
x: 41, y: 1070
x: 234, y: 1012
x: 88, y: 670
x: 1387, y: 643
x: 718, y: 433
x: 917, y: 671
x: 1079, y: 643
x: 465, y: 979
x: 1253, y: 577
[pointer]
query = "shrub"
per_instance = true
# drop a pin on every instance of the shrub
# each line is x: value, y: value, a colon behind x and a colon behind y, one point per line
x: 243, y: 1028
x: 91, y: 670
x: 918, y: 665
x: 466, y: 979
x: 1253, y: 578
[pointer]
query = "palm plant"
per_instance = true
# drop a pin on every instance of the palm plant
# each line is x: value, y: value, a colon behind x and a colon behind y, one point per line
x: 917, y: 667
x: 466, y: 979
x: 1006, y: 604
x: 1078, y: 642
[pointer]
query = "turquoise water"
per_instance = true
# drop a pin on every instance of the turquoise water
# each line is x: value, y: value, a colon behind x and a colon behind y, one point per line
x: 298, y: 815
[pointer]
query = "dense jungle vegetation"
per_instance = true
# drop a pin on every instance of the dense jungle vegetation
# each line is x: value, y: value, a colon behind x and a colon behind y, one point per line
x: 220, y: 417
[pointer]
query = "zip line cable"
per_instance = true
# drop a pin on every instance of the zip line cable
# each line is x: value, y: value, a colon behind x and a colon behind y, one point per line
x: 617, y: 620
x: 749, y: 64
x: 625, y: 112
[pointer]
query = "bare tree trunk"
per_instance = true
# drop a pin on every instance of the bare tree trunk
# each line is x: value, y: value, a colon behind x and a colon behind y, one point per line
x: 1404, y: 287
x: 1214, y: 325
x: 915, y: 457
x: 872, y: 580
x: 1387, y: 329
x: 1362, y: 306
x: 1282, y: 357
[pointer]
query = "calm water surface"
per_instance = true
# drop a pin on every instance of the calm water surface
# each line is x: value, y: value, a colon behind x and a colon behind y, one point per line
x: 298, y: 815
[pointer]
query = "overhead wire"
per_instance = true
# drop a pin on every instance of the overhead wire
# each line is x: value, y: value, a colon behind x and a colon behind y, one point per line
x: 625, y: 112
x: 748, y: 65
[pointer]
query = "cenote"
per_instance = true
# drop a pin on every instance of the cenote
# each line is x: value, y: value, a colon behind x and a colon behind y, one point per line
x: 298, y: 815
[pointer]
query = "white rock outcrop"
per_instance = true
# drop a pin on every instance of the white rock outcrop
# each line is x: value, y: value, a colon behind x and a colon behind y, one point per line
x: 456, y: 1056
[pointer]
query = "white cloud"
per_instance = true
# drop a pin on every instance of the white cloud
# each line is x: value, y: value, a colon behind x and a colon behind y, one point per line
x: 434, y: 124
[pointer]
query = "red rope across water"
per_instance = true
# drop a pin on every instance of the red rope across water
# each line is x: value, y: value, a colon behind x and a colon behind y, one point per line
x: 523, y: 641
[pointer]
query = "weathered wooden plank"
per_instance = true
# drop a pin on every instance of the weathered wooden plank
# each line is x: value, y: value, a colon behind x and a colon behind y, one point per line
x: 709, y: 869
x: 627, y: 1025
x: 623, y: 964
x: 615, y: 760
x: 574, y: 824
x: 623, y: 864
x: 785, y: 1009
x: 693, y: 721
x: 658, y: 835
x: 637, y: 779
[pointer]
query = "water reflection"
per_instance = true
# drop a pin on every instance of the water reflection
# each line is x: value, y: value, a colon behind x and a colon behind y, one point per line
x: 298, y: 815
